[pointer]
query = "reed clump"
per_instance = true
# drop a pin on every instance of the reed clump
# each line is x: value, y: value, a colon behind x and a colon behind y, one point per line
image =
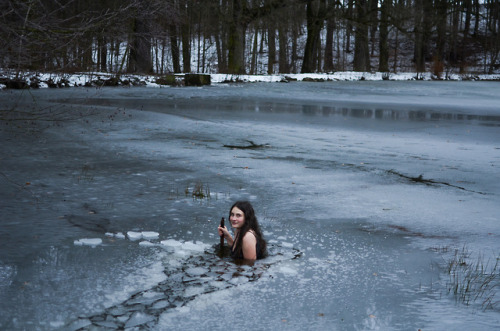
x: 474, y: 280
x: 200, y: 191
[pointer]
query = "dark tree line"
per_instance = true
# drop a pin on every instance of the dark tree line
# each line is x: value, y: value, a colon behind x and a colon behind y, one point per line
x: 249, y: 36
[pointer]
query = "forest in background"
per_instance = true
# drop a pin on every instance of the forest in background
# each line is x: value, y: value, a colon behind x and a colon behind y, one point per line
x: 249, y: 36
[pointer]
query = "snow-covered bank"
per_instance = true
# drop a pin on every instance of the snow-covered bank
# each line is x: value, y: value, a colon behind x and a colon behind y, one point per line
x: 346, y: 76
x: 45, y: 80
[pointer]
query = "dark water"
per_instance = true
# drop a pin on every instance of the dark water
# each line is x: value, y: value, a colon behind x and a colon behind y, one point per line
x: 364, y: 191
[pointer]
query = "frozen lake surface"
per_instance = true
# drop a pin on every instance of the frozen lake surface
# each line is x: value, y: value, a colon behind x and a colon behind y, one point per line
x: 365, y: 192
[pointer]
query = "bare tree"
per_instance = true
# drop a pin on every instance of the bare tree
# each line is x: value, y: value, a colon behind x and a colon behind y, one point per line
x: 361, y: 48
x: 316, y: 14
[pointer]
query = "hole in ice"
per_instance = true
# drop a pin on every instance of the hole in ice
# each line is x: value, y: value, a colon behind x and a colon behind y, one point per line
x: 192, y: 269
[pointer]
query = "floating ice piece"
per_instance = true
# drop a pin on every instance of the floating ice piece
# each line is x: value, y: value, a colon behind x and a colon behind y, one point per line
x: 191, y: 246
x: 286, y: 244
x: 196, y: 271
x: 79, y: 324
x: 107, y: 324
x: 132, y: 235
x: 88, y: 242
x: 184, y: 249
x: 137, y: 319
x: 146, y: 243
x: 171, y: 243
x: 194, y: 290
x: 162, y: 304
x: 57, y: 324
x: 150, y: 235
x: 118, y: 235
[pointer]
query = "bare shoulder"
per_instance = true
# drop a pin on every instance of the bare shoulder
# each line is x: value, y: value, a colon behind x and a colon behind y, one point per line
x: 250, y: 236
x: 251, y: 233
x: 249, y: 246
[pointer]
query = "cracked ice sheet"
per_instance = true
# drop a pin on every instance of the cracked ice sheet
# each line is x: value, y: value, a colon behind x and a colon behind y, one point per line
x: 327, y: 173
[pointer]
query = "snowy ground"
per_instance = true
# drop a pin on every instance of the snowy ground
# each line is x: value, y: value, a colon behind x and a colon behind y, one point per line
x: 81, y: 79
x: 364, y: 189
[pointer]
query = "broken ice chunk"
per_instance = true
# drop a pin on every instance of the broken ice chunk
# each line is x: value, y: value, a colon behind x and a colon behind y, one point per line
x: 137, y: 319
x: 196, y: 271
x: 171, y: 243
x: 132, y: 235
x: 196, y: 247
x: 146, y: 243
x: 88, y: 242
x: 150, y: 235
x: 118, y: 235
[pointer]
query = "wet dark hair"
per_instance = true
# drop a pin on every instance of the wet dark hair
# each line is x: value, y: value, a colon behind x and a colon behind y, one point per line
x: 251, y: 223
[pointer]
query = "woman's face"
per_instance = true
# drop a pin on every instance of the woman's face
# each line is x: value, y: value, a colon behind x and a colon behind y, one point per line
x: 237, y: 218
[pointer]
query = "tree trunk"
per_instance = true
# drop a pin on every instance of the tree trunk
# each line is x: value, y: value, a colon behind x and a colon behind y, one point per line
x: 283, y: 50
x: 383, y: 62
x: 453, y: 52
x: 350, y: 17
x: 315, y: 19
x: 294, y: 56
x: 419, y: 48
x: 441, y: 13
x: 174, y: 46
x: 396, y: 49
x: 103, y: 54
x: 373, y: 14
x: 253, y: 64
x: 236, y: 42
x: 330, y: 29
x: 477, y: 13
x: 186, y: 48
x: 361, y: 47
x: 271, y: 43
x: 140, y: 51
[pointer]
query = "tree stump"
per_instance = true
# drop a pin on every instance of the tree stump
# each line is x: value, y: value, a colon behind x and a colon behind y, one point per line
x: 196, y: 79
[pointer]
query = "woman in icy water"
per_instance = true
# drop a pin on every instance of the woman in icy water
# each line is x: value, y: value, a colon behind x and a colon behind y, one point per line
x: 248, y: 242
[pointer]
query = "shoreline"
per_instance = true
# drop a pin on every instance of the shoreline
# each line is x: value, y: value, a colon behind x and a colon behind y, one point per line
x: 51, y: 80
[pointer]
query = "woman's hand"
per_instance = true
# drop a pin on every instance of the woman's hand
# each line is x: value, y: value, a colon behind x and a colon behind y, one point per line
x: 224, y: 232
